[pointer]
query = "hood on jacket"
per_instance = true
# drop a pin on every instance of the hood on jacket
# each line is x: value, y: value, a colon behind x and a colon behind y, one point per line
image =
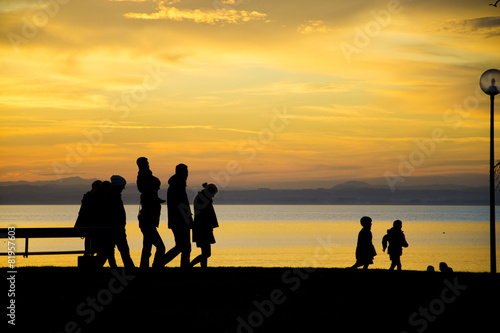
x: 175, y: 180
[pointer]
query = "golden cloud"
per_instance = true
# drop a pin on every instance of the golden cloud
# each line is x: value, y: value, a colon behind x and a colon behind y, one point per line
x: 223, y: 15
x: 312, y: 26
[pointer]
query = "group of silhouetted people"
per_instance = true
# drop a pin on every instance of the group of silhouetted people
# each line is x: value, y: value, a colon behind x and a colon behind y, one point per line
x: 102, y: 206
x: 365, y: 251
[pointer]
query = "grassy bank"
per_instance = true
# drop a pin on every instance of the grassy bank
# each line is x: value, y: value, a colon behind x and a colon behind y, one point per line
x: 245, y: 299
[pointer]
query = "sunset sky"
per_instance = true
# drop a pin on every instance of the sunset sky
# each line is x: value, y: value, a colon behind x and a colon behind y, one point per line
x: 252, y: 93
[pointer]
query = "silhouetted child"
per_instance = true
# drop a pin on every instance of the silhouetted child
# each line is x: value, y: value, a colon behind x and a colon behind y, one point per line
x: 397, y: 241
x: 205, y: 221
x: 365, y: 251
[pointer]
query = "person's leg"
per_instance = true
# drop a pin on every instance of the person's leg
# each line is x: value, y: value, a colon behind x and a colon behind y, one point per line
x: 160, y: 247
x: 206, y: 252
x: 398, y: 263
x: 110, y: 255
x: 124, y: 249
x: 173, y: 252
x: 185, y: 243
x: 147, y: 243
x: 356, y: 265
x: 196, y: 260
x: 202, y: 258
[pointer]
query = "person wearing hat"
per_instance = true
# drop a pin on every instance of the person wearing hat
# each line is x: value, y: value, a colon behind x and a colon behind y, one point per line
x: 118, y: 218
x: 205, y: 221
x: 149, y: 214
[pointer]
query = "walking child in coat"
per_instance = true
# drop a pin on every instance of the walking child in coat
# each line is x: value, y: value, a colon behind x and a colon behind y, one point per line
x: 397, y: 241
x: 205, y: 221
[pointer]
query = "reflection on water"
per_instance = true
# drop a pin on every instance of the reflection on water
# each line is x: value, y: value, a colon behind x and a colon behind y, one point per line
x: 280, y: 236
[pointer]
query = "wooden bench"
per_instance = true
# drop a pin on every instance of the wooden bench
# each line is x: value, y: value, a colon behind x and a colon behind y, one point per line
x: 28, y: 233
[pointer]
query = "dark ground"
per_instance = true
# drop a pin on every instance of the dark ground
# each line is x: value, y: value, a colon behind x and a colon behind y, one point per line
x: 247, y: 300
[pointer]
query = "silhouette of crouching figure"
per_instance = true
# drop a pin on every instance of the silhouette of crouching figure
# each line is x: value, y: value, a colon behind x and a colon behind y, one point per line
x: 205, y: 221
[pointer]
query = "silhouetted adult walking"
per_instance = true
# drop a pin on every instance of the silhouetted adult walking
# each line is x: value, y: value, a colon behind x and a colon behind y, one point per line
x: 365, y: 251
x: 205, y: 221
x: 180, y: 219
x: 149, y: 214
x: 87, y: 215
x: 118, y: 218
x: 397, y: 241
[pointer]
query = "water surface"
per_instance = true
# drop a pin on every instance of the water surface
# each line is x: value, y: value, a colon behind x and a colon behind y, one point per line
x: 290, y: 235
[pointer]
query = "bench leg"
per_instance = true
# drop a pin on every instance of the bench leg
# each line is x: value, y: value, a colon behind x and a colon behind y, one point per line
x: 25, y: 255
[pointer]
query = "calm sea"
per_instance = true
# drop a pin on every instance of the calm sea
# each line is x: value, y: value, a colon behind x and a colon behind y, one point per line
x: 284, y: 235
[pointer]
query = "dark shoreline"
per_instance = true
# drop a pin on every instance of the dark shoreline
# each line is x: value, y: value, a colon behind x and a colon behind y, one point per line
x: 349, y: 193
x: 252, y: 299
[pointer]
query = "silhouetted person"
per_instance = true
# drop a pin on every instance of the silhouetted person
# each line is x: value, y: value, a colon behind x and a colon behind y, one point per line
x: 397, y: 241
x: 149, y: 214
x: 180, y: 219
x: 118, y: 218
x: 365, y: 251
x: 87, y: 216
x: 205, y: 221
x: 447, y: 271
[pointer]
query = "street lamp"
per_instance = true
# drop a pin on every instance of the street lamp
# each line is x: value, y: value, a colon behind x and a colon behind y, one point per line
x: 489, y: 83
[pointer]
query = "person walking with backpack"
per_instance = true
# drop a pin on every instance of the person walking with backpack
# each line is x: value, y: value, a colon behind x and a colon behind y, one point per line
x: 396, y: 239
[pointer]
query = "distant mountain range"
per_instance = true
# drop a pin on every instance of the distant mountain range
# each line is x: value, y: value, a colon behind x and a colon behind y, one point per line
x: 71, y: 190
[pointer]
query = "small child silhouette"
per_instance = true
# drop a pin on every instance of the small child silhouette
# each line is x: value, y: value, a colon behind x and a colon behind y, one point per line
x: 397, y: 241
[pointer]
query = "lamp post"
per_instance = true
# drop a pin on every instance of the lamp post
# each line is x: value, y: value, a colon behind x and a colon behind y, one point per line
x: 489, y: 84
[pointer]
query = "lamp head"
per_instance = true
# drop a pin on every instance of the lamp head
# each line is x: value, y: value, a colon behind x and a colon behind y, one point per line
x: 489, y: 82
